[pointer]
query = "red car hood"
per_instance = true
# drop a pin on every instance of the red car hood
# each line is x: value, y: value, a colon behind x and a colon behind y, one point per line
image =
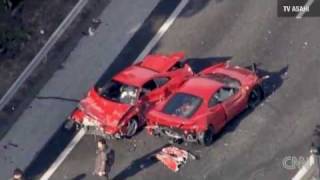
x: 103, y: 110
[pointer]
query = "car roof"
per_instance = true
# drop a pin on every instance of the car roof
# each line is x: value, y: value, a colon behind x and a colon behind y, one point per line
x: 135, y: 75
x: 200, y: 86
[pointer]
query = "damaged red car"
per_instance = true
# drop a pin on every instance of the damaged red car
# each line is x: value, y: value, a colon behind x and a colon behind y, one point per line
x: 116, y: 107
x: 205, y: 103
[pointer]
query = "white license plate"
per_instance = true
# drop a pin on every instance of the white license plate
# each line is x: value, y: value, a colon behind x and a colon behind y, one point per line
x: 87, y: 121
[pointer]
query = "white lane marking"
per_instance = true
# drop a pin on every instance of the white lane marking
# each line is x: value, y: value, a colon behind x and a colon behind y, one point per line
x: 147, y: 50
x: 304, y: 172
x: 301, y: 13
x: 63, y: 155
x: 163, y: 29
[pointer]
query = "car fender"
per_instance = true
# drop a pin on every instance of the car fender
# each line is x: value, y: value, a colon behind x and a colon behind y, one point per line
x: 77, y: 115
x: 133, y: 111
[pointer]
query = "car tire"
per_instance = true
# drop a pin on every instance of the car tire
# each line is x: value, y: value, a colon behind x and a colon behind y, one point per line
x: 132, y: 127
x: 206, y: 138
x: 255, y: 97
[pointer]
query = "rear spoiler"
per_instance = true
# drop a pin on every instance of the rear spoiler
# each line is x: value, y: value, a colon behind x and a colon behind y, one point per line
x: 254, y: 69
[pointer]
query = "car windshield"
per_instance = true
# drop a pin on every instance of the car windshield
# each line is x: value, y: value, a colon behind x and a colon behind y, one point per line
x: 182, y: 105
x: 225, y: 79
x: 119, y: 92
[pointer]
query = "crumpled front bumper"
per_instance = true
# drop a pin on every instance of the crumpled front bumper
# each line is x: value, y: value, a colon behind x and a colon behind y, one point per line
x: 93, y: 126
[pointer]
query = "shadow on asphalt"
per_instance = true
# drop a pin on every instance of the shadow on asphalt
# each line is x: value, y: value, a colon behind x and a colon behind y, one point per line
x: 111, y: 157
x: 194, y: 6
x: 49, y: 153
x: 79, y: 177
x: 199, y: 64
x: 137, y: 165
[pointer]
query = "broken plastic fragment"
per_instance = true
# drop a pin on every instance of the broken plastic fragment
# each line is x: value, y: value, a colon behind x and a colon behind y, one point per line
x: 173, y: 157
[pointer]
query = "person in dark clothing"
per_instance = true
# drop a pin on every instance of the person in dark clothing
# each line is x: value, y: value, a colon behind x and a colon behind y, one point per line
x: 17, y: 175
x: 100, y: 168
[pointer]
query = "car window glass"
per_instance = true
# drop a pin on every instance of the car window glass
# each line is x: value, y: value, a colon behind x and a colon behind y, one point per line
x: 119, y: 92
x: 224, y: 93
x: 149, y: 86
x: 182, y: 105
x: 213, y: 101
x: 161, y: 81
x: 225, y: 79
x: 176, y: 66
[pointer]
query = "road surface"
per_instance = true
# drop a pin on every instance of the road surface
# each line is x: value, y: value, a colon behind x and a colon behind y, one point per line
x: 255, y: 144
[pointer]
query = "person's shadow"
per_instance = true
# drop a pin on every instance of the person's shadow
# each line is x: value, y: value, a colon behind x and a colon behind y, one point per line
x: 139, y: 164
x: 110, y: 160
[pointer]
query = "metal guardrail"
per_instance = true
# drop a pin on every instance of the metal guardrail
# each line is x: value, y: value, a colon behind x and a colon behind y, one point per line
x: 42, y: 53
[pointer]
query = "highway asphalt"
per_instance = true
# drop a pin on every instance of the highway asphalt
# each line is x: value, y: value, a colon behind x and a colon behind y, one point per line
x: 252, y: 146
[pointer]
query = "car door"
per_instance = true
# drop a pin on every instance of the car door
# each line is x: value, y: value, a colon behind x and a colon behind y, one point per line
x: 156, y: 89
x: 216, y: 114
x: 177, y: 77
x: 232, y: 100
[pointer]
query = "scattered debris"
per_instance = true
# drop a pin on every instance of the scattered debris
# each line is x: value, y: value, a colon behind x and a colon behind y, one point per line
x: 41, y: 31
x: 174, y: 158
x: 94, y: 25
x: 91, y: 31
x: 305, y: 44
x: 96, y: 21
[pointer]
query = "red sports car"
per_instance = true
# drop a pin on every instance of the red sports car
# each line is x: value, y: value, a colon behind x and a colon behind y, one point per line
x: 116, y: 108
x: 204, y: 103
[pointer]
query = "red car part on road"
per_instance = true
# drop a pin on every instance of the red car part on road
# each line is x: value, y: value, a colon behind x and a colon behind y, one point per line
x: 173, y: 157
x: 204, y: 104
x: 117, y: 107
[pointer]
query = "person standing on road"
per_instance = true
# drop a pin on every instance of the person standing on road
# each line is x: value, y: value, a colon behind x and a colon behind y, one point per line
x: 101, y: 159
x: 17, y: 175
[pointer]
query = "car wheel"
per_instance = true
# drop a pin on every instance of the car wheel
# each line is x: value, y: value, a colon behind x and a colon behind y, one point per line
x: 255, y: 97
x: 206, y: 138
x: 132, y: 127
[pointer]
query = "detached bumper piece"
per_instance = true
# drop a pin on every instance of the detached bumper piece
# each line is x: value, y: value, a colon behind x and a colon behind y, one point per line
x: 173, y: 157
x: 173, y: 133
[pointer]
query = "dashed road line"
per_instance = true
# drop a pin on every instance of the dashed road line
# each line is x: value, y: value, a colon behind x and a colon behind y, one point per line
x: 64, y: 154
